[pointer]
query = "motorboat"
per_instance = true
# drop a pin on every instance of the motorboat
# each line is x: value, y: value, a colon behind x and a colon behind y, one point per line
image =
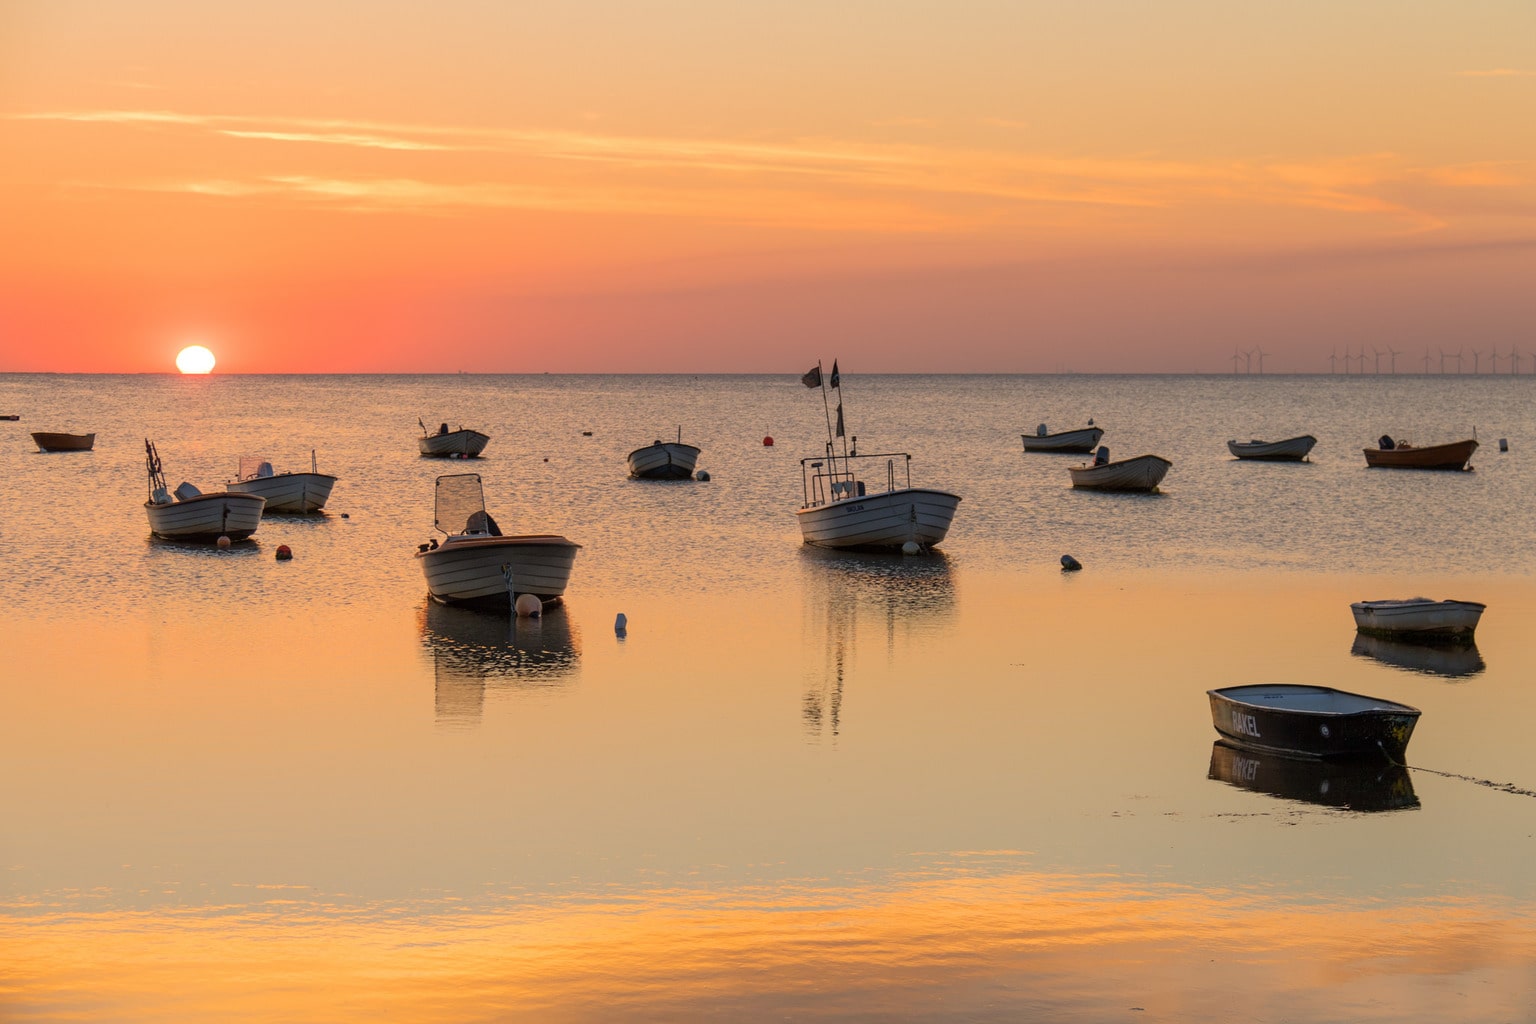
x: 867, y: 502
x: 1351, y: 784
x: 1312, y: 721
x: 1419, y: 619
x: 1083, y: 439
x: 1143, y: 473
x: 47, y: 442
x: 285, y: 492
x: 1402, y: 455
x: 451, y: 444
x: 1292, y: 449
x: 664, y: 460
x: 189, y: 514
x: 476, y: 564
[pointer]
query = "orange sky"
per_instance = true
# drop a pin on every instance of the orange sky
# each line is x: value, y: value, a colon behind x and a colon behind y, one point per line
x: 591, y: 185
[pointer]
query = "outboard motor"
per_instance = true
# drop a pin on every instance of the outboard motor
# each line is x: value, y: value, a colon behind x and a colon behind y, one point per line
x: 1101, y: 457
x: 1040, y: 430
x: 1385, y: 443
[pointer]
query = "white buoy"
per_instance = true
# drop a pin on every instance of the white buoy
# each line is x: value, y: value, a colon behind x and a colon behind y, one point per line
x: 911, y: 547
x: 528, y: 606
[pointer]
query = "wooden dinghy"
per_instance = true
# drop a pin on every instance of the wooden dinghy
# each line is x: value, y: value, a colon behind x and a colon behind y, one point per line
x: 47, y: 442
x: 1292, y: 449
x: 1143, y: 473
x: 1419, y: 619
x: 1401, y: 455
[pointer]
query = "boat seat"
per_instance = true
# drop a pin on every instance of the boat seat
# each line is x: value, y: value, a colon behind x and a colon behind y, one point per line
x: 160, y: 497
x: 481, y: 522
x: 265, y: 469
x: 186, y: 491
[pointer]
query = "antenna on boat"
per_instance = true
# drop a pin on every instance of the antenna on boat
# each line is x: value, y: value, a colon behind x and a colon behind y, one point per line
x: 422, y: 425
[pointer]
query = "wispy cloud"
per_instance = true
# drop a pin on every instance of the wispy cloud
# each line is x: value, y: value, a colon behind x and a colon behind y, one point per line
x: 336, y: 139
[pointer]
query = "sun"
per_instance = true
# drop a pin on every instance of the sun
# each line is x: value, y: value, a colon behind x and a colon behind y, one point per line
x: 194, y: 359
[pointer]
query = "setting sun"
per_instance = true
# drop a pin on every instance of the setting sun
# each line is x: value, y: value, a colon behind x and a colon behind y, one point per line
x: 195, y: 359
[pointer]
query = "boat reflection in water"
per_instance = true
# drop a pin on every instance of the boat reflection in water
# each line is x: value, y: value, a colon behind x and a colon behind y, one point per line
x: 909, y: 597
x: 473, y: 649
x: 1353, y: 785
x: 1454, y: 661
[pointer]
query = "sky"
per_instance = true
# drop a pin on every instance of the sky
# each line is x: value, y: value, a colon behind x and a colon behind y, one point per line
x: 693, y: 186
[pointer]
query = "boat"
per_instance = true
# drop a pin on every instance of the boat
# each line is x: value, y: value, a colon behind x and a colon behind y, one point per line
x: 285, y: 492
x: 189, y: 514
x: 1312, y: 721
x: 1401, y: 455
x: 64, y: 442
x: 475, y: 564
x: 10, y: 416
x: 1143, y: 473
x: 451, y: 444
x: 1292, y: 449
x: 1083, y: 439
x: 1351, y: 784
x: 1419, y: 619
x: 843, y: 505
x: 1449, y: 661
x: 664, y: 460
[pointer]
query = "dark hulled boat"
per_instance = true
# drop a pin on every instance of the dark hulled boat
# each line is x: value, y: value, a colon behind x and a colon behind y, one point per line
x: 1312, y: 721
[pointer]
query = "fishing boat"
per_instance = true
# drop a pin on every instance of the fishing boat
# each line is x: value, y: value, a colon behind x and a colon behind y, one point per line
x: 451, y: 444
x: 866, y: 502
x: 189, y: 514
x: 285, y: 492
x: 1449, y: 661
x: 476, y: 564
x: 1352, y: 784
x: 664, y: 460
x: 1419, y: 619
x: 1292, y: 449
x: 10, y: 416
x: 1312, y: 721
x: 1402, y: 455
x: 1083, y: 439
x: 1143, y: 473
x: 47, y: 442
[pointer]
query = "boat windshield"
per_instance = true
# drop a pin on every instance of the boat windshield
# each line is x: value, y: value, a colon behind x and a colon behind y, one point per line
x: 460, y: 505
x: 839, y: 477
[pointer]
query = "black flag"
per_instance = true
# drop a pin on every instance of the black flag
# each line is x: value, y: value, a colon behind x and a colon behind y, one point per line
x: 836, y: 379
x: 812, y: 377
x: 839, y: 418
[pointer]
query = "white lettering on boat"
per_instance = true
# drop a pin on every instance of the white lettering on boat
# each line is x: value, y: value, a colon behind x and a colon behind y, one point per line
x: 1245, y: 723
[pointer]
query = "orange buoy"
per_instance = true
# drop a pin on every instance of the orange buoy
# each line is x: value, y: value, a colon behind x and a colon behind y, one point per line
x: 767, y: 442
x: 284, y: 553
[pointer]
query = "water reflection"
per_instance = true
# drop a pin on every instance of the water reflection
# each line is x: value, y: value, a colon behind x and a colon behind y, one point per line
x: 905, y: 596
x: 472, y: 649
x: 1353, y: 785
x: 1452, y: 661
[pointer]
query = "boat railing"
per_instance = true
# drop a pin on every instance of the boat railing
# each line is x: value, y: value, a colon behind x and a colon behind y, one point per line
x: 839, y: 477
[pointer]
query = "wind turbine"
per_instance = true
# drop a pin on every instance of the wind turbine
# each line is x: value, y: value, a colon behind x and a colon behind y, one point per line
x: 1333, y: 360
x: 1442, y: 360
x: 1514, y: 360
x: 1477, y: 361
x: 1458, y: 359
x: 1261, y: 354
x: 1377, y: 351
x: 1426, y: 359
x: 1394, y: 353
x: 1493, y: 357
x: 1235, y: 357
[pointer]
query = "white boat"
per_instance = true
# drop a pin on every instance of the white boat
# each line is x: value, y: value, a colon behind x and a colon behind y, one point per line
x: 284, y: 492
x: 1143, y: 473
x: 447, y: 444
x: 1084, y: 439
x: 476, y: 564
x: 664, y: 460
x: 853, y: 501
x: 1418, y: 618
x: 189, y: 514
x: 1292, y: 449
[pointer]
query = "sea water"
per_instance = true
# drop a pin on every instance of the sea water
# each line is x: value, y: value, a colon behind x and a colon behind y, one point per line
x: 808, y: 785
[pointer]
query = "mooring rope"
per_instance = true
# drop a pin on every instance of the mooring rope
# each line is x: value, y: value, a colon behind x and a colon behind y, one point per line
x: 1501, y: 787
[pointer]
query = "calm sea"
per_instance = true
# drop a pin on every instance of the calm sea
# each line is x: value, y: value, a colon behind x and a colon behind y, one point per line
x: 804, y: 786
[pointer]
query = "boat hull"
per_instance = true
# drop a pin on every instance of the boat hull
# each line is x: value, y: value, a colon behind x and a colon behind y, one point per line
x: 1142, y: 473
x: 468, y: 570
x: 1353, y: 784
x: 1292, y: 449
x: 1084, y: 440
x: 1422, y: 621
x: 880, y: 521
x: 1436, y: 456
x: 289, y: 492
x: 664, y: 460
x: 207, y: 517
x: 64, y: 442
x: 462, y: 443
x: 1312, y: 721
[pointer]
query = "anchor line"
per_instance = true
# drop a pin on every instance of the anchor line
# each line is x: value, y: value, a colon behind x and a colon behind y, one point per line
x: 1501, y: 787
